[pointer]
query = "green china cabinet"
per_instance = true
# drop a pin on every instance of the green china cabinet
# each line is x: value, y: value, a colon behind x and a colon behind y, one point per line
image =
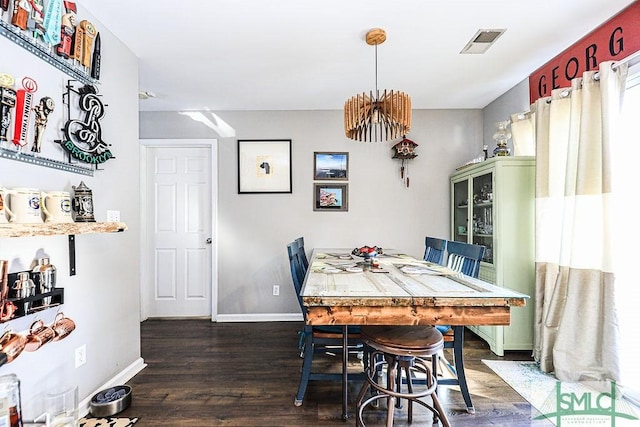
x: 492, y: 204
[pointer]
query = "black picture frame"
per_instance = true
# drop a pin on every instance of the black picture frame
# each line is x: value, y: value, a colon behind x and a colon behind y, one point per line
x: 264, y: 166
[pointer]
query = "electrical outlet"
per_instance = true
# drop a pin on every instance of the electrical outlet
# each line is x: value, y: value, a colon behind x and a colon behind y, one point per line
x: 81, y: 355
x: 276, y: 290
x: 113, y: 216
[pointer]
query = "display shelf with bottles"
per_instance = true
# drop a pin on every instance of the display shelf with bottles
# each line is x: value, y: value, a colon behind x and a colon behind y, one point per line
x: 493, y: 206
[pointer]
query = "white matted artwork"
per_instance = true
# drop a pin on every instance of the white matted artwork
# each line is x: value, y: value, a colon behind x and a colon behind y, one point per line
x: 264, y: 166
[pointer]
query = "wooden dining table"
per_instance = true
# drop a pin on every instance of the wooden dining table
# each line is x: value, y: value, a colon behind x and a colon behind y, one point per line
x: 394, y: 288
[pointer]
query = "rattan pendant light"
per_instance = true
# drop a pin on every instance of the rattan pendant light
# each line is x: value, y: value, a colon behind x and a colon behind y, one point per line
x: 377, y: 116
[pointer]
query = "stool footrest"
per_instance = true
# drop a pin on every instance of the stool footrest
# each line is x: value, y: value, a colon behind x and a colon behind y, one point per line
x: 396, y: 365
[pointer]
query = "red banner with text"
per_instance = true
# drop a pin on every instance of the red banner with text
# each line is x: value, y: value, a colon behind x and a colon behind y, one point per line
x: 616, y: 39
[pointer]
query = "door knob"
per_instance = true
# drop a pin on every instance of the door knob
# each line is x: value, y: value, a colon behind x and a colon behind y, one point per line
x: 208, y: 241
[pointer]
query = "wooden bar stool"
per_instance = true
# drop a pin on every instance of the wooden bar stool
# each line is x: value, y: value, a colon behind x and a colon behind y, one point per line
x: 401, y: 348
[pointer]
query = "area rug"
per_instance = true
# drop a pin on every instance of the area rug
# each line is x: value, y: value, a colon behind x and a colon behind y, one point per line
x: 541, y: 390
x: 107, y: 422
x: 526, y: 378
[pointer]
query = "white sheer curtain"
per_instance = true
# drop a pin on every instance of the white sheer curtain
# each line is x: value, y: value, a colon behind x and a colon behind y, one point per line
x: 576, y: 332
x: 626, y: 155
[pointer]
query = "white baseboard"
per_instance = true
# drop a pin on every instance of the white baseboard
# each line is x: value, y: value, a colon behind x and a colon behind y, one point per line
x: 125, y: 375
x: 260, y: 317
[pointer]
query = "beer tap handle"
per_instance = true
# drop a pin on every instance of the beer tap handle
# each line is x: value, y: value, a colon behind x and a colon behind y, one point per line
x: 88, y: 35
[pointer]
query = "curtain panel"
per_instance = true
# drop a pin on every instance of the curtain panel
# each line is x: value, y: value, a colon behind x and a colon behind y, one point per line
x: 576, y: 332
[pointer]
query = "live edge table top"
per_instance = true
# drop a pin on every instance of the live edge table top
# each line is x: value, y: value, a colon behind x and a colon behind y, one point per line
x: 341, y: 289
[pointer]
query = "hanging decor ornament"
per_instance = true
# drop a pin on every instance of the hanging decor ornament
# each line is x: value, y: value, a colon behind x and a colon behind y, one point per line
x: 405, y: 151
x: 376, y: 116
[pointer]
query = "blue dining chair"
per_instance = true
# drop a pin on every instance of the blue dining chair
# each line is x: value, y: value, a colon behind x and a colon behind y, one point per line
x: 303, y: 253
x: 463, y: 258
x: 434, y: 249
x: 315, y: 339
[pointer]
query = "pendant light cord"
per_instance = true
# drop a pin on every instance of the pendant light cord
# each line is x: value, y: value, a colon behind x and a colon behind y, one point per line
x: 377, y: 93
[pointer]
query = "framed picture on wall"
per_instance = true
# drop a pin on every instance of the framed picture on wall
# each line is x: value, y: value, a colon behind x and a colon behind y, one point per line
x: 331, y: 166
x: 331, y: 197
x: 264, y: 166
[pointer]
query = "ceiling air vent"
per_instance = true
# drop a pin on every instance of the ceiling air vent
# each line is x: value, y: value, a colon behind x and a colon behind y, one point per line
x: 482, y: 41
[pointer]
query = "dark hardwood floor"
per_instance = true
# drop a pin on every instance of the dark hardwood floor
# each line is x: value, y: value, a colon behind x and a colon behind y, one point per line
x: 201, y: 373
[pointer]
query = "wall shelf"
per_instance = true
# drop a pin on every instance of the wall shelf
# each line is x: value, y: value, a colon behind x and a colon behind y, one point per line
x: 42, y: 161
x: 53, y: 229
x: 45, y: 53
x: 35, y: 302
x: 62, y: 229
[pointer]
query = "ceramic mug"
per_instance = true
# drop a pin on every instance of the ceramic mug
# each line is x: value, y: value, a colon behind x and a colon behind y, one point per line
x: 39, y: 335
x: 25, y: 205
x: 5, y: 212
x: 56, y: 206
x: 62, y: 326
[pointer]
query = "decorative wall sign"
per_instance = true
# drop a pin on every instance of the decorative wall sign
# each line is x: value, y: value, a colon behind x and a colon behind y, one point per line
x: 83, y: 137
x: 616, y: 39
x: 331, y: 166
x: 264, y: 166
x: 331, y: 197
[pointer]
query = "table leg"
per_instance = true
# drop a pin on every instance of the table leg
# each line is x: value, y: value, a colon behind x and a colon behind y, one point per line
x: 345, y: 378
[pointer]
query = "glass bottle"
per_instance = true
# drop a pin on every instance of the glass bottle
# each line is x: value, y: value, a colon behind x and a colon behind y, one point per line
x: 10, y: 407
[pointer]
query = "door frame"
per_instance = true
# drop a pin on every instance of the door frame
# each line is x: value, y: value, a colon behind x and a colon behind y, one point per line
x: 145, y: 261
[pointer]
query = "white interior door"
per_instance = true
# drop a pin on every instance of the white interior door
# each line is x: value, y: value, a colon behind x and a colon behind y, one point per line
x: 178, y: 231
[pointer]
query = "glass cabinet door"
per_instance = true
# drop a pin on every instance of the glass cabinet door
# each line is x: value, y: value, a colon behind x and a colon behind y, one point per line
x: 482, y: 219
x: 461, y: 210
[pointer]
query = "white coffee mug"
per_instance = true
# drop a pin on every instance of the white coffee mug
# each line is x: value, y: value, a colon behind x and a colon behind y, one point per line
x: 25, y: 205
x: 5, y: 212
x: 56, y: 206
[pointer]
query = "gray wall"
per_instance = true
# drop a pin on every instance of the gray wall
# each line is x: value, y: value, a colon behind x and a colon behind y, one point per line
x: 515, y: 100
x: 103, y: 298
x: 253, y: 229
